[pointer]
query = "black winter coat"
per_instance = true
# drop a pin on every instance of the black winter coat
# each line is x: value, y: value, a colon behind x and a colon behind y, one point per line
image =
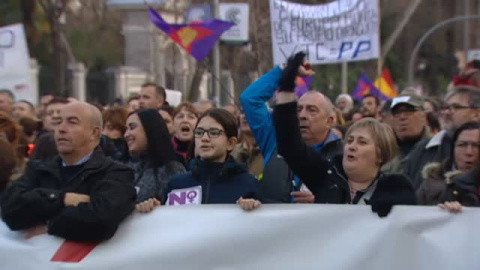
x: 464, y: 189
x: 117, y: 149
x: 222, y: 183
x: 326, y: 177
x: 37, y: 198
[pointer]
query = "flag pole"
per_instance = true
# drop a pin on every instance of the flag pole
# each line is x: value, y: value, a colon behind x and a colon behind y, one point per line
x: 216, y: 58
x: 344, y: 77
x: 380, y: 58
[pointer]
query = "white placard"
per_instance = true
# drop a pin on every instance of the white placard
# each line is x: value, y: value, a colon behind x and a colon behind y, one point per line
x: 174, y: 97
x: 184, y: 196
x: 237, y: 13
x: 473, y: 55
x: 340, y: 31
x: 15, y: 63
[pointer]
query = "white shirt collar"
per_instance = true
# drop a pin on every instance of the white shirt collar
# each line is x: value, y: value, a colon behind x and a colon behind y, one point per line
x: 436, y: 140
x: 80, y: 162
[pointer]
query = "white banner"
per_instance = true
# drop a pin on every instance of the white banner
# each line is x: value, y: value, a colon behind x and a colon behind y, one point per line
x: 273, y: 237
x: 237, y: 13
x: 340, y: 31
x: 15, y: 63
x: 473, y: 55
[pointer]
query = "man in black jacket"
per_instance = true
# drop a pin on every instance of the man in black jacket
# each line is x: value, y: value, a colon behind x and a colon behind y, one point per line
x: 80, y: 195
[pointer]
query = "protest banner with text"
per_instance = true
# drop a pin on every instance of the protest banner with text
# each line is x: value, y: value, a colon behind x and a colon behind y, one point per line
x: 340, y: 31
x: 15, y: 63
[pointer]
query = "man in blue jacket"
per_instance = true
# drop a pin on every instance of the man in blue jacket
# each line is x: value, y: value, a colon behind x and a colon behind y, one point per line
x: 315, y: 112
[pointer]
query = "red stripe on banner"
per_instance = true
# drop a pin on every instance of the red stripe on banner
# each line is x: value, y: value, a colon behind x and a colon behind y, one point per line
x: 73, y: 252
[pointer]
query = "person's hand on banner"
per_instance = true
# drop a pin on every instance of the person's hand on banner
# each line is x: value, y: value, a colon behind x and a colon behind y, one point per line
x: 37, y: 230
x: 303, y: 197
x: 148, y: 205
x: 452, y: 207
x: 73, y: 199
x: 248, y: 204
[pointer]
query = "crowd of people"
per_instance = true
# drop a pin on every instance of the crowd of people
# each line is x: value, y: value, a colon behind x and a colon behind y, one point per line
x: 76, y: 170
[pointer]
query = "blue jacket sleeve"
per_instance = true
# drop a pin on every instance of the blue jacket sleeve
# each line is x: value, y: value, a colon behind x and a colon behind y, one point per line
x: 253, y: 101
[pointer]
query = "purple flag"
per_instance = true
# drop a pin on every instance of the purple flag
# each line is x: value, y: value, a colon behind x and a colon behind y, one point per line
x: 302, y: 85
x: 365, y: 86
x: 197, y: 38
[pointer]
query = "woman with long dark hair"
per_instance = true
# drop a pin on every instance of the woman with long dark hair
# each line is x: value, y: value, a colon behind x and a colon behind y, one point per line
x: 463, y: 190
x: 153, y: 157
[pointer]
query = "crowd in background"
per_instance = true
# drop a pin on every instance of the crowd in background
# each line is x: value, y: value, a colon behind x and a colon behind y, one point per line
x: 76, y: 170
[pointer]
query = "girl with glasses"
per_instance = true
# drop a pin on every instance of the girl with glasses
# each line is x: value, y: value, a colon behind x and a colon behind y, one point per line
x: 214, y: 177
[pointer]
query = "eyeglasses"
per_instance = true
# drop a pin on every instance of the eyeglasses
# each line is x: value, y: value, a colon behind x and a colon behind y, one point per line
x: 455, y: 107
x: 463, y: 144
x: 406, y: 111
x: 212, y: 132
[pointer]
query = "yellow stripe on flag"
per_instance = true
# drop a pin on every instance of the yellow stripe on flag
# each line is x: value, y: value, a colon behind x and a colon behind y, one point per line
x: 384, y: 83
x: 385, y: 88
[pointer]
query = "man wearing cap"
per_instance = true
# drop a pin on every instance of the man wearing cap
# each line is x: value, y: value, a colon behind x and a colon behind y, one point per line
x: 410, y: 127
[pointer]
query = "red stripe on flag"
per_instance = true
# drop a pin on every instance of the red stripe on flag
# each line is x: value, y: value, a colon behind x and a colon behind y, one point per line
x: 388, y: 78
x: 73, y: 252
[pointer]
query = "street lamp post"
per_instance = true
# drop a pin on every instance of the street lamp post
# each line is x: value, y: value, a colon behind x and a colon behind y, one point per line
x: 419, y: 44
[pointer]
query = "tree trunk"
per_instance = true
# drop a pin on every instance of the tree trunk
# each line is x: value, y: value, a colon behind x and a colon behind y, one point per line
x: 194, y: 91
x: 59, y: 65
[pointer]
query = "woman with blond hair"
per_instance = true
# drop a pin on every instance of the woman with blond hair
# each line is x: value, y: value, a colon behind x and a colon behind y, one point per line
x: 351, y: 178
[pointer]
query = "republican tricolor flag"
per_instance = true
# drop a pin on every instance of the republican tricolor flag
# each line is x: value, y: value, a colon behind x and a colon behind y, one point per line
x: 197, y: 38
x: 383, y: 87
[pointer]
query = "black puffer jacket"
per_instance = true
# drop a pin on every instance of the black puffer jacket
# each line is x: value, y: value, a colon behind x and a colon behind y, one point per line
x: 221, y: 183
x: 326, y: 177
x: 117, y: 149
x: 464, y: 189
x: 38, y: 198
